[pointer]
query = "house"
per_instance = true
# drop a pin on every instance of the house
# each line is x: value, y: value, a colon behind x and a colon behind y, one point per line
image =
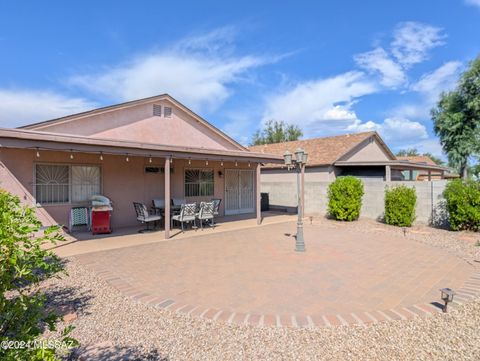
x: 131, y: 152
x: 364, y: 155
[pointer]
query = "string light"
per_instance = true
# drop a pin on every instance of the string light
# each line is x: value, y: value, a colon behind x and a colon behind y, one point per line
x: 221, y: 163
x: 71, y: 154
x: 150, y: 159
x: 236, y: 164
x: 189, y: 161
x: 206, y: 162
x: 249, y: 164
x: 101, y: 156
x: 127, y: 159
x: 38, y: 153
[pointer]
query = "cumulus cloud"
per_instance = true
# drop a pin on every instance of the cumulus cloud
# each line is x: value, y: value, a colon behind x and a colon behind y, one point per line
x: 394, y: 130
x: 378, y: 61
x: 473, y: 2
x: 195, y: 70
x: 20, y: 107
x: 412, y: 42
x: 320, y: 106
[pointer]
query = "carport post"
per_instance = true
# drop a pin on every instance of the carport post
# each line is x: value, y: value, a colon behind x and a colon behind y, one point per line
x: 167, y: 198
x: 258, y: 195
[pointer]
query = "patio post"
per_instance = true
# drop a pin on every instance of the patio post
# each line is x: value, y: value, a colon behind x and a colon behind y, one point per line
x: 388, y: 174
x: 258, y: 195
x: 167, y: 198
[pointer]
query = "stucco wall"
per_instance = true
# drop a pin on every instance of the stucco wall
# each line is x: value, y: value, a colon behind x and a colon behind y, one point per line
x: 137, y: 123
x: 123, y: 182
x: 430, y: 207
x: 312, y: 174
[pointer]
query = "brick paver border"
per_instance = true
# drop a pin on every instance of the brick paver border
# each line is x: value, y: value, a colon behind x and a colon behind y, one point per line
x: 469, y: 291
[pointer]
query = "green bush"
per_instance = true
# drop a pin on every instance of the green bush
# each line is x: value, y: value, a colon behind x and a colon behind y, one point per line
x: 400, y: 204
x: 345, y: 198
x: 24, y: 264
x: 463, y: 204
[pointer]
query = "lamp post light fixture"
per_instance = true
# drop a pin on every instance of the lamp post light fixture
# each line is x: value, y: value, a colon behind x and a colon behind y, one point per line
x: 447, y: 296
x: 298, y: 164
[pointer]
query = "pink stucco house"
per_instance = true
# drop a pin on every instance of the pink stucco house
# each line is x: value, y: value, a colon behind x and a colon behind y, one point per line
x: 130, y: 152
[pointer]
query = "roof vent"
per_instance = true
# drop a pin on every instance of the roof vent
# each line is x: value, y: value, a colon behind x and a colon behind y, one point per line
x: 167, y: 112
x: 157, y: 110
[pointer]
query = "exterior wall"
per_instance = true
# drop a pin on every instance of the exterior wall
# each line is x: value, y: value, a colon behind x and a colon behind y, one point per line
x: 430, y: 202
x: 312, y: 174
x: 369, y: 150
x: 123, y: 182
x: 137, y: 123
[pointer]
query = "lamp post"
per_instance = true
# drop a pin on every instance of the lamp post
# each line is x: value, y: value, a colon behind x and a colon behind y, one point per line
x: 298, y: 164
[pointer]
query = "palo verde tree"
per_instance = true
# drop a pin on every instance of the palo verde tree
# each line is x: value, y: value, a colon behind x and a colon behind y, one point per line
x: 456, y: 119
x: 276, y: 132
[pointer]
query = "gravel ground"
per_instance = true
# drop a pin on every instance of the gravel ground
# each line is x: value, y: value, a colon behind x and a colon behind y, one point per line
x: 112, y: 327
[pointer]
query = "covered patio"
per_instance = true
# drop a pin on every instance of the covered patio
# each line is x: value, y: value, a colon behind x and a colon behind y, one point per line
x: 68, y: 170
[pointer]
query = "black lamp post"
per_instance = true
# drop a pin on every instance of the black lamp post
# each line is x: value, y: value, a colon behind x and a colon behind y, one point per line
x: 298, y: 164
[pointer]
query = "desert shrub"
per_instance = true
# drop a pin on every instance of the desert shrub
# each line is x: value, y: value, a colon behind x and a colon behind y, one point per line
x: 463, y: 204
x: 24, y: 264
x: 400, y: 204
x: 345, y: 198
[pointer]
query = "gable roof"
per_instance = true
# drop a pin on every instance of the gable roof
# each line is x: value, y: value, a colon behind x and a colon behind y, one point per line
x: 322, y: 151
x: 418, y: 159
x: 78, y: 116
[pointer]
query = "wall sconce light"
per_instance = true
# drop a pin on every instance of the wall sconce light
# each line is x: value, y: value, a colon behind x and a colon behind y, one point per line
x: 101, y: 156
x: 447, y: 297
x: 220, y: 174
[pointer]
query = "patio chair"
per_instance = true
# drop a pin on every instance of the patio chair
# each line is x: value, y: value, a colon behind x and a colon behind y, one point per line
x: 79, y: 216
x: 145, y: 217
x: 206, y: 213
x: 187, y: 215
x: 158, y: 205
x: 216, y: 205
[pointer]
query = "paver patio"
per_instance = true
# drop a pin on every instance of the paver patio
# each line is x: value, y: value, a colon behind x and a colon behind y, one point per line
x: 254, y: 276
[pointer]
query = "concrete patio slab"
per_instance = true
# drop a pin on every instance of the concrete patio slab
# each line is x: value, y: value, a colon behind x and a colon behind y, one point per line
x: 254, y: 276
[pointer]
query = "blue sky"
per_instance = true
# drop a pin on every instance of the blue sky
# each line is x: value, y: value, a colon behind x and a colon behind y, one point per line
x: 329, y: 67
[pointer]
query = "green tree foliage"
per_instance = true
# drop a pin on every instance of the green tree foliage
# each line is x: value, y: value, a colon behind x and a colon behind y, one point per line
x: 24, y: 263
x: 463, y: 204
x: 457, y: 119
x: 411, y: 152
x: 345, y: 198
x: 276, y: 132
x: 400, y: 204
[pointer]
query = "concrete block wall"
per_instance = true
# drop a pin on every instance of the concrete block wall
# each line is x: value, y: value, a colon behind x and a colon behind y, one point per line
x: 430, y: 202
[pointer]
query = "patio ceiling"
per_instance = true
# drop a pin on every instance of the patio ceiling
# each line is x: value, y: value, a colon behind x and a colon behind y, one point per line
x: 19, y: 138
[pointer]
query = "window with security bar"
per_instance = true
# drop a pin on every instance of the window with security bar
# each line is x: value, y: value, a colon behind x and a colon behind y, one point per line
x: 199, y: 182
x: 56, y: 184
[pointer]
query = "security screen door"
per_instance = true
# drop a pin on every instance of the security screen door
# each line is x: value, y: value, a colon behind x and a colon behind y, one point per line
x: 239, y: 191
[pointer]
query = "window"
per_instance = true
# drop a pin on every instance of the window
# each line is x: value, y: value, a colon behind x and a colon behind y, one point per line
x: 167, y: 112
x: 199, y: 182
x: 65, y: 184
x: 157, y: 110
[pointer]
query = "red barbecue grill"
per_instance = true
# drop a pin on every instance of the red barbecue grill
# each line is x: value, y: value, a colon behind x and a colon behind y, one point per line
x: 101, y: 214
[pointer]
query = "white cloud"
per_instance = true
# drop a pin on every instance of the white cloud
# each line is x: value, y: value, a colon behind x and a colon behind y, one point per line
x: 194, y: 70
x: 473, y: 2
x: 378, y: 61
x: 20, y: 107
x: 441, y: 79
x: 320, y: 106
x: 413, y: 40
x: 429, y: 88
x: 394, y: 130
